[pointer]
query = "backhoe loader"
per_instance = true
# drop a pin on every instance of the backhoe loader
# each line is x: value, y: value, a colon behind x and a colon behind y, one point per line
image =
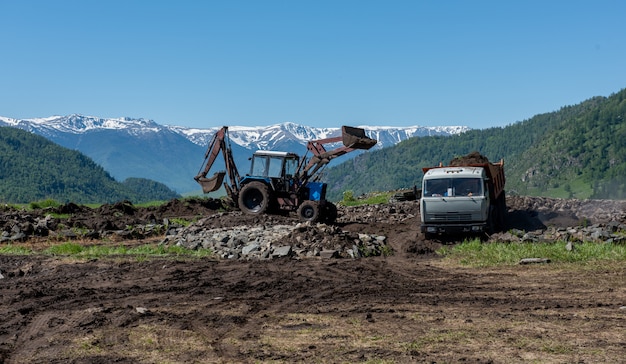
x: 280, y: 181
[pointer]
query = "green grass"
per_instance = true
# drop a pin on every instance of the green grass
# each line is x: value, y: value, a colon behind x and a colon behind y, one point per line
x: 44, y: 204
x: 151, y: 203
x: 53, y: 203
x: 181, y: 221
x: 373, y: 198
x: 14, y: 250
x: 478, y: 254
x: 76, y: 250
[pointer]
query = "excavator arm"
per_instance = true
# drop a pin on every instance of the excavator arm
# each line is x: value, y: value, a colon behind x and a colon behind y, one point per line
x: 352, y: 138
x: 219, y: 143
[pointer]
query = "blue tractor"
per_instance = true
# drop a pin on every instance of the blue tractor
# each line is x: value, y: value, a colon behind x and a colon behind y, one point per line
x: 280, y: 181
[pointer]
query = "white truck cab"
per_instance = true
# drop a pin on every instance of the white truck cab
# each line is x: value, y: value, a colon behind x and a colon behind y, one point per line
x: 455, y: 199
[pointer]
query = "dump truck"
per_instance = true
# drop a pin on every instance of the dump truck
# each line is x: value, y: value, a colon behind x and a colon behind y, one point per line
x: 280, y: 181
x: 467, y: 196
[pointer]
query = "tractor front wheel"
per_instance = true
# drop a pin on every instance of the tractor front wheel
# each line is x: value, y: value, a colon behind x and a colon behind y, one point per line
x: 254, y: 198
x: 309, y: 211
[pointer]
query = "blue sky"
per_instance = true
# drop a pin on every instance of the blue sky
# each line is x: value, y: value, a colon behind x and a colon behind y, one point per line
x: 318, y: 63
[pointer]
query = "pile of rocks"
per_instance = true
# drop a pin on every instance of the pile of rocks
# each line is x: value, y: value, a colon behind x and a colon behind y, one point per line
x: 391, y: 213
x: 22, y: 226
x: 611, y: 232
x: 579, y: 211
x: 268, y: 241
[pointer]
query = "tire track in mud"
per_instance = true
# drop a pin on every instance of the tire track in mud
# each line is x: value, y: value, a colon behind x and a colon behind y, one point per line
x: 49, y: 328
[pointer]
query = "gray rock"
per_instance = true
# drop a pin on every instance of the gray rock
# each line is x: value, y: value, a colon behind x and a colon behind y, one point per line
x: 250, y: 248
x: 327, y: 254
x: 534, y: 261
x: 281, y: 251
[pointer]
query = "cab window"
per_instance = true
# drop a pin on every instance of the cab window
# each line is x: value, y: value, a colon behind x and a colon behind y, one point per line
x: 259, y: 164
x: 291, y: 166
x: 275, y: 167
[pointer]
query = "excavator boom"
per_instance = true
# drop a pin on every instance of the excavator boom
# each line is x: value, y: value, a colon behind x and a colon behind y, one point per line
x: 352, y: 139
x: 219, y: 143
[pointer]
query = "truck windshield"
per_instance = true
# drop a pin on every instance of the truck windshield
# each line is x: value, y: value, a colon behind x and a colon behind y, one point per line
x: 453, y: 187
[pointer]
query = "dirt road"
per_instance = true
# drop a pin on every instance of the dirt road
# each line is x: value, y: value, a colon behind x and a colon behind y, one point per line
x: 406, y: 308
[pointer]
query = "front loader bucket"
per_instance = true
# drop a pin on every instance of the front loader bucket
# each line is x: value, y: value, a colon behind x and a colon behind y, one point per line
x: 356, y: 138
x: 211, y: 184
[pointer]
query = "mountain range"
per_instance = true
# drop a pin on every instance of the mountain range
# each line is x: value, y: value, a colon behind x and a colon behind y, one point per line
x: 577, y: 151
x: 128, y: 147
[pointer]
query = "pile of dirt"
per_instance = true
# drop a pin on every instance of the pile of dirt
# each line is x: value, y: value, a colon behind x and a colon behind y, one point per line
x: 121, y: 220
x: 472, y: 158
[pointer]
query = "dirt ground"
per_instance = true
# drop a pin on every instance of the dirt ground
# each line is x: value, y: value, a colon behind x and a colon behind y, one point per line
x: 409, y: 307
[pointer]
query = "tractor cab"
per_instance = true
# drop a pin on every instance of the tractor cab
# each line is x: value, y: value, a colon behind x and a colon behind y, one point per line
x: 280, y: 181
x: 277, y: 168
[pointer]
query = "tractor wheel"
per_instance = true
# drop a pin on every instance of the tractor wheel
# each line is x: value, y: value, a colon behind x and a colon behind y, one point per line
x: 330, y: 213
x: 254, y: 198
x: 309, y: 211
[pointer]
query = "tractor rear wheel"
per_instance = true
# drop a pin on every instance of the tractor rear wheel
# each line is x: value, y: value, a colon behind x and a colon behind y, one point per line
x: 254, y: 198
x: 309, y: 211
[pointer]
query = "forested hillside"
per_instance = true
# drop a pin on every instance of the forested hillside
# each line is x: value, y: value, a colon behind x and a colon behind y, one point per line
x: 577, y: 151
x: 33, y: 168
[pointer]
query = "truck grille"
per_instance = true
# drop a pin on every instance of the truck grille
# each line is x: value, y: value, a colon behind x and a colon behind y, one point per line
x: 452, y: 217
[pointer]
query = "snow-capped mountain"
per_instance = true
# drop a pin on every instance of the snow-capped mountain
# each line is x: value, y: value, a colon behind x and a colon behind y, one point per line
x: 249, y: 137
x: 128, y: 147
x: 268, y: 137
x: 79, y: 124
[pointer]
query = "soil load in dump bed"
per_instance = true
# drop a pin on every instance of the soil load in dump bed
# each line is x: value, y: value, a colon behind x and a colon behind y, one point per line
x: 472, y: 158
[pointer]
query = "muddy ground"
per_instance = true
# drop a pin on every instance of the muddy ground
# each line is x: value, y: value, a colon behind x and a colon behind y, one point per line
x: 409, y: 307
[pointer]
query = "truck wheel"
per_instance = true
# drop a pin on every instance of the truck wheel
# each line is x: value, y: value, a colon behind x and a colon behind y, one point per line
x: 502, y: 211
x: 492, y: 220
x: 254, y: 198
x: 309, y: 211
x: 330, y: 213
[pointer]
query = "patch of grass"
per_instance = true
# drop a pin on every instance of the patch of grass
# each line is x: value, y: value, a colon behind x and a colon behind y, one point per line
x: 154, y: 343
x: 9, y: 206
x: 92, y: 205
x: 374, y: 198
x: 65, y: 249
x: 386, y: 251
x: 556, y: 348
x: 478, y: 254
x: 141, y: 252
x: 437, y: 339
x: 180, y: 221
x: 44, y: 204
x: 14, y: 250
x: 151, y: 204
